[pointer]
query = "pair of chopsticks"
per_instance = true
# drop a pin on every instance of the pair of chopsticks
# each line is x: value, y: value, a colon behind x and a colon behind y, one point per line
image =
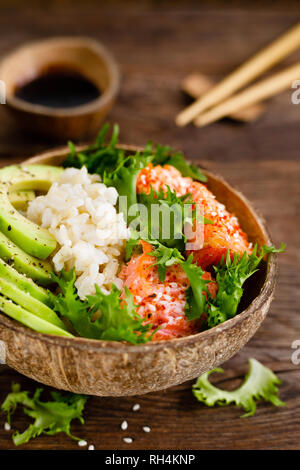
x: 213, y: 105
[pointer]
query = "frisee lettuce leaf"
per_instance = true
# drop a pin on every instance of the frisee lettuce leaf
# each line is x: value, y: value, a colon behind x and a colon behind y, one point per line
x: 165, y: 257
x: 119, y: 322
x: 166, y: 218
x: 231, y: 274
x: 124, y: 178
x: 131, y: 243
x: 50, y: 417
x: 196, y: 295
x: 100, y: 316
x: 197, y: 291
x: 260, y: 383
x: 100, y: 157
x: 119, y: 169
x: 165, y: 155
x: 168, y: 211
x: 113, y: 165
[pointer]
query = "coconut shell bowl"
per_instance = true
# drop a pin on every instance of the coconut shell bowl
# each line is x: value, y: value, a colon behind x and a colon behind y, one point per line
x: 107, y: 368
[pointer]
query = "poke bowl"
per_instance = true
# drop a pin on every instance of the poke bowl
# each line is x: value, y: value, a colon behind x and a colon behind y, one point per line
x: 116, y: 368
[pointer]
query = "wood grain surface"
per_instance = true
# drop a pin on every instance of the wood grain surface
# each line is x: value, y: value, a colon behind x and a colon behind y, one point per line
x: 156, y: 47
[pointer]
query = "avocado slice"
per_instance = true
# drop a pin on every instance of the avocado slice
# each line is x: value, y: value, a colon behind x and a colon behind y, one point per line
x: 29, y: 319
x: 31, y: 304
x: 33, y: 239
x: 38, y: 270
x: 20, y: 199
x: 24, y: 283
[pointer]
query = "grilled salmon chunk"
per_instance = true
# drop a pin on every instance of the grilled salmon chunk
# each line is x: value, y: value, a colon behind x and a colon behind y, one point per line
x: 224, y: 233
x: 161, y: 303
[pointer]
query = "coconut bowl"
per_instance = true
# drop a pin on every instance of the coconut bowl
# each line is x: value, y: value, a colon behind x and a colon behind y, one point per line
x: 107, y: 368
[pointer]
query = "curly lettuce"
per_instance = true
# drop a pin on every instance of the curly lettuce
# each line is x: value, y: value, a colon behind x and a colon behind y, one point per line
x: 100, y: 316
x: 260, y: 383
x: 119, y: 169
x: 50, y: 417
x: 231, y: 275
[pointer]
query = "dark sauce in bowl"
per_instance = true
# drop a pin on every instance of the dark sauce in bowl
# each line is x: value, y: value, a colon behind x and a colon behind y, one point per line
x: 59, y: 89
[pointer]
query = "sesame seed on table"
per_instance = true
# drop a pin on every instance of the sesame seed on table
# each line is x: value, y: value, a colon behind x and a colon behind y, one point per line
x: 261, y: 159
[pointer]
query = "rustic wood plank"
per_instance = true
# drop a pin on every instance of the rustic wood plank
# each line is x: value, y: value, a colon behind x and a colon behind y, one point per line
x: 190, y: 425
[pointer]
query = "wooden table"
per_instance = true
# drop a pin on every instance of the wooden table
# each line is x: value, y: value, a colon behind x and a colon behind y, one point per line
x: 156, y: 49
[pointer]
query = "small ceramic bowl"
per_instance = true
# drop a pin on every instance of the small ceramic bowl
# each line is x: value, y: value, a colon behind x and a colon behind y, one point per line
x: 109, y: 368
x: 78, y: 54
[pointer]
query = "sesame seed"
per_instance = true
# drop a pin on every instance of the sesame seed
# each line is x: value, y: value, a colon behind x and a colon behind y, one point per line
x: 7, y: 426
x: 136, y: 407
x: 146, y: 429
x: 82, y: 443
x: 127, y: 440
x: 124, y: 425
x: 91, y: 447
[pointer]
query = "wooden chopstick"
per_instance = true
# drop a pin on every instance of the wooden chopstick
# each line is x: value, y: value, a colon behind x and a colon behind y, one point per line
x: 196, y: 84
x: 251, y: 69
x: 254, y: 94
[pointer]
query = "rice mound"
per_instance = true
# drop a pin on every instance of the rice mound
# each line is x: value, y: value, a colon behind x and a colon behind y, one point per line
x: 80, y: 212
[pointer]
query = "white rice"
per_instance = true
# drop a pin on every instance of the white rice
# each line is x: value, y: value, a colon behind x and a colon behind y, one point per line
x: 81, y: 214
x: 124, y: 425
x: 82, y: 443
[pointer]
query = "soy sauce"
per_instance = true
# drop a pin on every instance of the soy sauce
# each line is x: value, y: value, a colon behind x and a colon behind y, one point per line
x: 59, y: 88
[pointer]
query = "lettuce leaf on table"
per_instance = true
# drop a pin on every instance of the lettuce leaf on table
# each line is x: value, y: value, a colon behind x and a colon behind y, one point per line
x: 50, y: 417
x: 260, y: 383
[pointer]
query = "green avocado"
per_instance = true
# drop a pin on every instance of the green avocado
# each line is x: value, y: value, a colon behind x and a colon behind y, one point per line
x: 29, y: 319
x: 38, y: 270
x: 24, y: 283
x: 31, y: 304
x: 20, y: 199
x: 33, y: 239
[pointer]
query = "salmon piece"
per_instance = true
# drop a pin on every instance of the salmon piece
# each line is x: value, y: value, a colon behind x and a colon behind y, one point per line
x: 160, y: 177
x: 224, y: 234
x: 161, y: 303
